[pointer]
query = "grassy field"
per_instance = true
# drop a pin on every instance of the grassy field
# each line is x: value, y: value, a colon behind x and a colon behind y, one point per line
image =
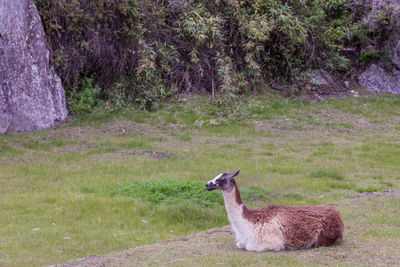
x: 112, y: 181
x: 371, y: 240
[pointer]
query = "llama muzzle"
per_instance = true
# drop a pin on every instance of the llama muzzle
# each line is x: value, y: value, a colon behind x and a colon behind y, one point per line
x: 211, y: 186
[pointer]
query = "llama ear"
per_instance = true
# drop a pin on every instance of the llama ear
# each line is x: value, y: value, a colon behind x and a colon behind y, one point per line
x: 236, y: 173
x: 233, y: 175
x: 228, y: 172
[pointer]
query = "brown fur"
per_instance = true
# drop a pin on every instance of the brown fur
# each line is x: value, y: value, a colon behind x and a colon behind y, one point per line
x: 238, y: 197
x: 302, y: 227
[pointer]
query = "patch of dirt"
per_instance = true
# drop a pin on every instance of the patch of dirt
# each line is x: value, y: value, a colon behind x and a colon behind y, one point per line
x: 326, y: 92
x: 111, y: 127
x: 337, y: 87
x: 340, y: 122
x: 374, y: 193
x: 132, y: 257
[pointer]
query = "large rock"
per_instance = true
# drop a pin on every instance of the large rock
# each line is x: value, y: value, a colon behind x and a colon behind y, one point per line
x: 376, y: 79
x: 384, y: 76
x: 31, y: 93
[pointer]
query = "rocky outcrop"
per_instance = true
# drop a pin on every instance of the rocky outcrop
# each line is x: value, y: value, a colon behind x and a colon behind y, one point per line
x: 376, y: 79
x: 31, y: 93
x: 384, y: 76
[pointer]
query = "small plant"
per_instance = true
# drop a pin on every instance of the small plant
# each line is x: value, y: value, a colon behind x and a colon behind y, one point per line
x: 326, y: 174
x: 83, y: 100
x: 6, y: 149
x: 368, y: 189
x: 370, y: 55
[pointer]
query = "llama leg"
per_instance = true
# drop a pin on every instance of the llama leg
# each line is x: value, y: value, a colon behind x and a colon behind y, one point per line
x: 254, y: 247
x: 240, y: 245
x: 259, y: 248
x: 271, y: 246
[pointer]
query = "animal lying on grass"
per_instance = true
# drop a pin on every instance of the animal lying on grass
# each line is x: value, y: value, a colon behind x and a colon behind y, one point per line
x: 276, y: 227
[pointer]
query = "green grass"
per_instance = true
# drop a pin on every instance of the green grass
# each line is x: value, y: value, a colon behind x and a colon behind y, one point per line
x: 7, y: 150
x: 172, y: 191
x: 326, y: 174
x: 371, y: 238
x: 86, y: 188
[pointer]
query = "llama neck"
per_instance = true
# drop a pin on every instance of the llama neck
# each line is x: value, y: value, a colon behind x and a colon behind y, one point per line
x: 234, y: 204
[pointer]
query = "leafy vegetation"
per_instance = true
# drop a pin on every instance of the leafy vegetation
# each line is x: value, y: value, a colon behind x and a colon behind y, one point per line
x: 144, y: 52
x: 83, y: 101
x: 173, y: 191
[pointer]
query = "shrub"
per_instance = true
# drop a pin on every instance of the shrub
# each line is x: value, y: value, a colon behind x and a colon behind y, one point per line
x: 83, y: 100
x: 143, y: 52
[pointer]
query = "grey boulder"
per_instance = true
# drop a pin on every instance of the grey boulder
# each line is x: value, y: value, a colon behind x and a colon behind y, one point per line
x: 376, y: 79
x: 31, y: 94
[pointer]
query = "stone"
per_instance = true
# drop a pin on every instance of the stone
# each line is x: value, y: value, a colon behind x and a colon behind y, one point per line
x: 320, y: 77
x: 376, y: 79
x: 31, y: 94
x: 384, y: 75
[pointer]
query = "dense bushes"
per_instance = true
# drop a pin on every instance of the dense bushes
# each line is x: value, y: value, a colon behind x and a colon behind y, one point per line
x: 145, y: 51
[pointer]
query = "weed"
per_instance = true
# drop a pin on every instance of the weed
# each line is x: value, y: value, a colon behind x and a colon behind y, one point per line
x: 156, y: 139
x: 185, y: 138
x: 229, y: 146
x: 83, y: 101
x: 267, y: 153
x: 367, y: 189
x: 340, y: 185
x: 88, y: 190
x: 135, y: 144
x: 388, y: 184
x: 7, y: 150
x: 326, y: 174
x: 295, y: 196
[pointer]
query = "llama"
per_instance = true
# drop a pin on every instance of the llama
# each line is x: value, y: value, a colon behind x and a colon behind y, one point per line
x: 275, y: 227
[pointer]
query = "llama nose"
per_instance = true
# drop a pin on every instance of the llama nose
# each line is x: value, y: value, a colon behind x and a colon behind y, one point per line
x: 210, y: 186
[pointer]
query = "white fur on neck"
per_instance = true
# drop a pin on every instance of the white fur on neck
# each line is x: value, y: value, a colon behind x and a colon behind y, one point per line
x: 240, y: 225
x: 252, y: 237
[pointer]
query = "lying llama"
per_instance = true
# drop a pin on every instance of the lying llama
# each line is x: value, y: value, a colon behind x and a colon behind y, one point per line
x: 276, y: 227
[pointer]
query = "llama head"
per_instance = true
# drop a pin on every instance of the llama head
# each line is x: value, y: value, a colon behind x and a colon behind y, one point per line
x: 222, y: 181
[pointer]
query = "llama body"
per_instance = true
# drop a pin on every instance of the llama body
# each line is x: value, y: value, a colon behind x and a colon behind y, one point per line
x: 277, y: 227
